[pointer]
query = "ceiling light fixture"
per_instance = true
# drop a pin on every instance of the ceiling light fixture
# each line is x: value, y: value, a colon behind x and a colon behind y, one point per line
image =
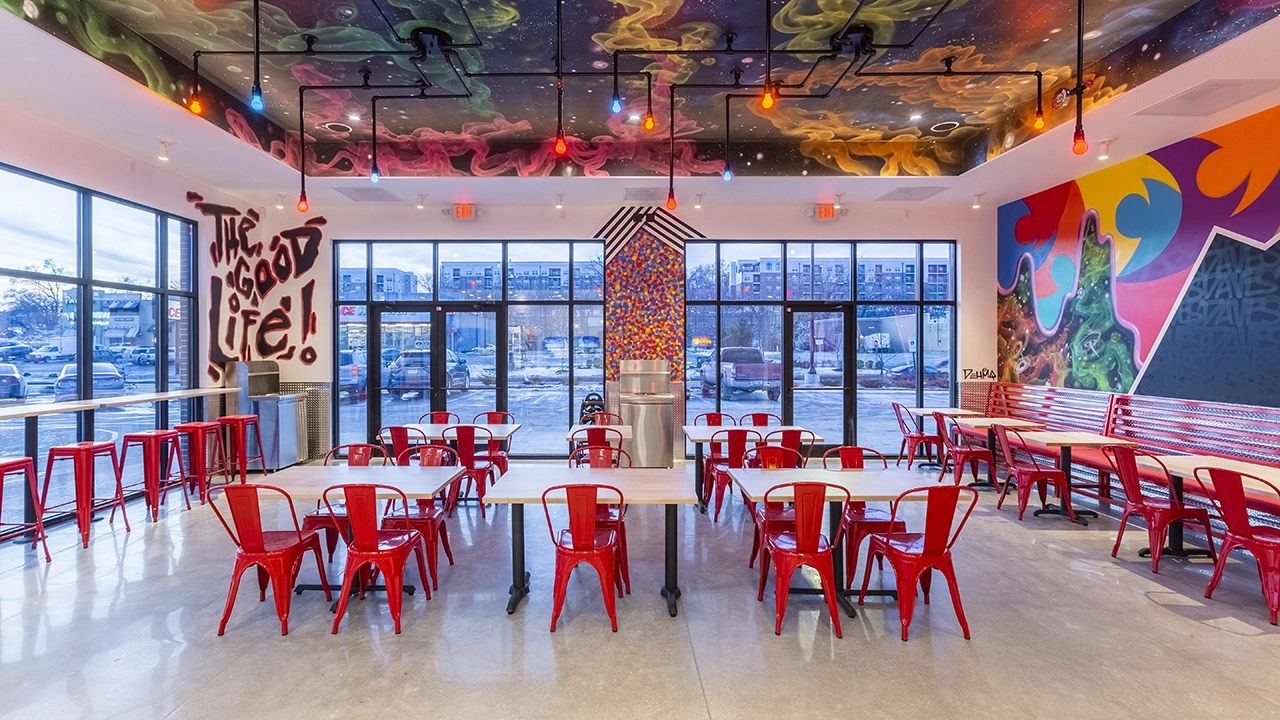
x: 280, y: 201
x: 255, y: 94
x: 1104, y: 151
x: 1038, y: 123
x: 766, y: 100
x: 916, y: 116
x: 671, y: 198
x: 697, y: 205
x: 422, y: 201
x: 164, y: 150
x: 836, y: 205
x: 353, y: 117
x: 194, y: 104
x: 1078, y: 144
x: 977, y: 201
x: 302, y: 201
x: 559, y: 201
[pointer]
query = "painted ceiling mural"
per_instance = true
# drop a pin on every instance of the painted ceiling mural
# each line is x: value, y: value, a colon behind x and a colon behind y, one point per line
x: 506, y: 125
x: 1094, y: 273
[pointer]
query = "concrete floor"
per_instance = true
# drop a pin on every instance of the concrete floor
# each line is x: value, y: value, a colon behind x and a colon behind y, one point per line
x: 127, y: 629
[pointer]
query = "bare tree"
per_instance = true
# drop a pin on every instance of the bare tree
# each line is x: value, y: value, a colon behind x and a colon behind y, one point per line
x: 34, y: 304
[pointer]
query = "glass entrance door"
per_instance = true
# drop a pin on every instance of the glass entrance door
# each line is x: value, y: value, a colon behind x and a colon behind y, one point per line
x: 818, y: 372
x: 469, y: 372
x: 406, y: 386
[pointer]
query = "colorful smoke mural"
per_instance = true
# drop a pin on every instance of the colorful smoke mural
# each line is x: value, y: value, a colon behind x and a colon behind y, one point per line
x: 1157, y: 275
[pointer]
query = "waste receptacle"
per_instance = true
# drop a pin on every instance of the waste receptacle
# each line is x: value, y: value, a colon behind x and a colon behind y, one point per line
x: 645, y: 405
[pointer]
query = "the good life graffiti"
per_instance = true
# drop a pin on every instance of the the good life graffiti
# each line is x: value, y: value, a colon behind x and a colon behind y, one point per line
x: 250, y: 315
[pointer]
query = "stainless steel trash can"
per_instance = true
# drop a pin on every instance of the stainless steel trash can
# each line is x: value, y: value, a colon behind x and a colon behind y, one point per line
x: 645, y: 405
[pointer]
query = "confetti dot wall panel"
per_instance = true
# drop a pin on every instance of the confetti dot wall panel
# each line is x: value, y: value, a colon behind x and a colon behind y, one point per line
x: 644, y: 305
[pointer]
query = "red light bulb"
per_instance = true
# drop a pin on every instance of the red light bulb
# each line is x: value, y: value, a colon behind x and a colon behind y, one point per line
x: 302, y: 202
x: 649, y: 124
x: 1079, y: 147
x: 671, y: 200
x: 561, y: 147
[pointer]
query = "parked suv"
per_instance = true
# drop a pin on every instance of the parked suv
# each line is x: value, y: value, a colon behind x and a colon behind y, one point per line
x: 13, y: 386
x: 107, y: 382
x: 10, y: 350
x: 353, y: 371
x: 411, y: 372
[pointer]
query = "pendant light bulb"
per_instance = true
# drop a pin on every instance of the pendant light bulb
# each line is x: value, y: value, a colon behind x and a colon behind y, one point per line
x: 766, y: 101
x: 649, y: 123
x: 1039, y: 121
x: 561, y: 147
x: 255, y: 99
x: 195, y: 105
x: 302, y: 202
x: 616, y: 106
x: 671, y: 199
x: 728, y: 174
x: 1080, y: 147
x: 373, y: 174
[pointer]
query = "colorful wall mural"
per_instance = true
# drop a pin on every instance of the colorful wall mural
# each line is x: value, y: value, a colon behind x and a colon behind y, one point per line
x: 1157, y: 275
x: 261, y: 294
x: 644, y: 305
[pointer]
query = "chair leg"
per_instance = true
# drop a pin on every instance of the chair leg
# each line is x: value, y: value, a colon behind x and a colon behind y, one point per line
x: 1157, y: 530
x: 238, y: 571
x: 949, y: 572
x: 623, y: 557
x: 444, y: 541
x: 282, y: 591
x: 428, y: 579
x: 393, y: 581
x: 764, y: 572
x: 604, y: 565
x: 781, y: 589
x: 430, y: 537
x: 1228, y: 544
x: 324, y: 578
x: 866, y: 573
x: 755, y: 546
x: 829, y: 591
x: 907, y: 578
x: 901, y: 449
x: 344, y: 595
x: 264, y: 580
x: 564, y: 566
x: 1124, y: 520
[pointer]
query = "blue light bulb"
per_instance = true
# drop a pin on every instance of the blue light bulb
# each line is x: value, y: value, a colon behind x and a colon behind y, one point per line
x: 728, y: 174
x: 255, y: 99
x: 617, y: 105
x: 373, y: 175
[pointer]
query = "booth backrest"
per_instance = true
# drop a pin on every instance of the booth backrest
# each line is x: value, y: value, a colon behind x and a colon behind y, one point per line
x: 1193, y: 427
x: 1058, y: 408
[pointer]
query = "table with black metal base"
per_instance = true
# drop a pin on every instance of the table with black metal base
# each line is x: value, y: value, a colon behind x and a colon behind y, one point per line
x: 1065, y: 508
x: 990, y: 483
x: 697, y: 477
x: 1174, y: 546
x: 837, y: 560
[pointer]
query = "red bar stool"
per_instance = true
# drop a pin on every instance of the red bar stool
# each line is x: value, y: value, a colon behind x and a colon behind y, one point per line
x: 26, y: 465
x: 152, y: 442
x: 202, y: 437
x: 239, y: 457
x: 83, y: 455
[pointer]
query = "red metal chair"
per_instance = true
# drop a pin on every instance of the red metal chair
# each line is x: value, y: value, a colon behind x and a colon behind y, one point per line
x: 276, y: 553
x: 800, y: 543
x: 802, y: 441
x: 759, y: 419
x: 913, y: 438
x: 735, y: 440
x: 608, y: 516
x: 26, y: 466
x: 204, y: 438
x: 914, y: 555
x: 859, y: 521
x: 466, y: 437
x: 606, y: 418
x: 83, y: 455
x: 403, y: 437
x: 959, y: 452
x: 1157, y: 512
x: 424, y: 515
x: 334, y: 524
x: 769, y: 457
x: 438, y: 417
x: 368, y: 544
x: 1230, y: 500
x: 715, y: 453
x: 1023, y: 475
x: 603, y: 436
x: 586, y: 541
x: 151, y: 442
x: 495, y: 453
x: 237, y: 426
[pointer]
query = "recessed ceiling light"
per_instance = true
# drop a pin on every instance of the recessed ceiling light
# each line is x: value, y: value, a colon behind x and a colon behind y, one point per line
x: 337, y: 127
x: 916, y: 117
x: 164, y: 150
x: 1093, y: 34
x: 353, y: 117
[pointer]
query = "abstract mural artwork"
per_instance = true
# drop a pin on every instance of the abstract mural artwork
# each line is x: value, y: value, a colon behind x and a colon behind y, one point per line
x: 644, y: 304
x: 1158, y: 275
x: 261, y: 293
x: 493, y: 123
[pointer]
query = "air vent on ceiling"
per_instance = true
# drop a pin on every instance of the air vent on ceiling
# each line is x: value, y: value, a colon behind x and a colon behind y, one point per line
x: 911, y: 194
x: 1210, y: 97
x: 368, y: 194
x: 644, y: 195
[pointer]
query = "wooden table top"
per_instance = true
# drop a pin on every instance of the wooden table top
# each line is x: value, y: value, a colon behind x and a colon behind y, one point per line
x: 308, y: 482
x: 1184, y: 466
x: 35, y: 409
x: 1072, y: 438
x: 863, y: 485
x: 703, y: 433
x: 949, y: 412
x: 164, y: 396
x: 435, y: 431
x: 524, y: 484
x: 625, y: 430
x: 982, y: 423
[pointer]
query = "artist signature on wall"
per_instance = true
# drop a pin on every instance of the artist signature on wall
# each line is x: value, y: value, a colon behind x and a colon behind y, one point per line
x: 979, y: 374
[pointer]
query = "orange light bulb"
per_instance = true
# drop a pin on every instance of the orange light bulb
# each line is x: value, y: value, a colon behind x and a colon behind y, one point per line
x: 766, y: 101
x: 671, y: 200
x: 561, y: 146
x: 1039, y: 121
x: 1080, y: 147
x: 649, y: 123
x: 195, y: 105
x: 302, y: 203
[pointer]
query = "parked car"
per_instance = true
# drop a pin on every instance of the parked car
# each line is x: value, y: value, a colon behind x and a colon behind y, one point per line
x: 144, y: 356
x: 10, y: 350
x: 742, y: 369
x: 411, y: 372
x: 389, y: 356
x: 353, y: 371
x: 933, y: 376
x: 108, y: 381
x: 13, y: 386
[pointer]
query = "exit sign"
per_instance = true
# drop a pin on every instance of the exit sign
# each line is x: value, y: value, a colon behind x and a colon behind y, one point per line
x: 824, y: 213
x: 465, y: 213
